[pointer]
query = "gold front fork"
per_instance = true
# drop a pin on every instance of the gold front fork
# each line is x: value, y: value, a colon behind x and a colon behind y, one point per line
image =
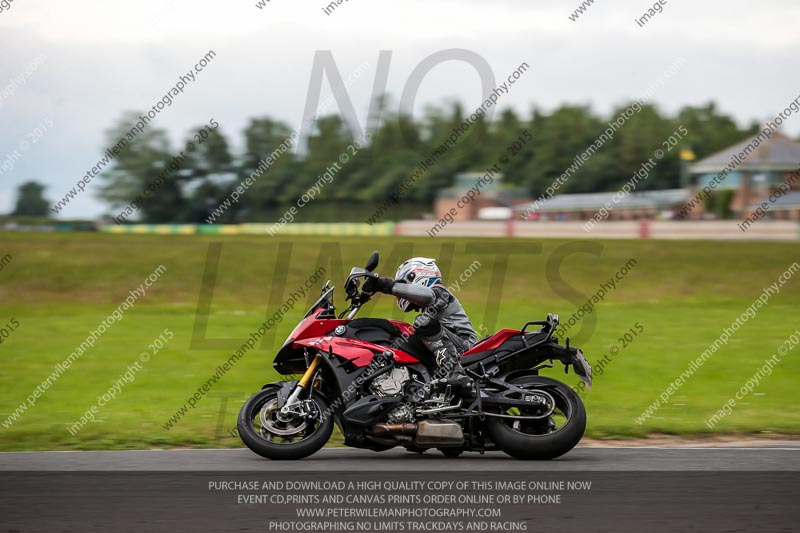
x: 302, y: 384
x: 312, y: 369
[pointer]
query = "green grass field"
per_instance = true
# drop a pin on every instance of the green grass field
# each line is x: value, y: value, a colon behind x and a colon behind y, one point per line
x: 58, y: 287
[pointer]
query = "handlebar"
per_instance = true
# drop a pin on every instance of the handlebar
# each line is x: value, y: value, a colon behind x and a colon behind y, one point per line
x: 352, y: 286
x: 355, y: 295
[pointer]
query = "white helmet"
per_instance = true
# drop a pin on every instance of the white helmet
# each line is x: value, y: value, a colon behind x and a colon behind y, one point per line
x: 419, y: 271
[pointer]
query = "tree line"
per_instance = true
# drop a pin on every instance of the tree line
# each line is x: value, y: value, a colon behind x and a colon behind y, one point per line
x: 211, y: 170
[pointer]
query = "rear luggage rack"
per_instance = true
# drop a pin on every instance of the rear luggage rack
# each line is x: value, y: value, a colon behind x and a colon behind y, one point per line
x: 544, y: 335
x: 551, y: 323
x: 549, y: 326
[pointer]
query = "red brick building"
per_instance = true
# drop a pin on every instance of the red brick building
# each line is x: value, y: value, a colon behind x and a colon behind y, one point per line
x: 492, y: 195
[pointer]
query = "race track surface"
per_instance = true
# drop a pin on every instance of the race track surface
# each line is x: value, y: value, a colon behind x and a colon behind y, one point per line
x: 582, y: 459
x: 637, y: 489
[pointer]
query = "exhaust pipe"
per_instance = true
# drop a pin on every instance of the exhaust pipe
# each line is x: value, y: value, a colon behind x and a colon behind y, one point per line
x: 406, y: 428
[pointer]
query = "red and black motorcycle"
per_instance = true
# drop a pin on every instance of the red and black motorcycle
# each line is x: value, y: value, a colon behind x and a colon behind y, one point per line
x: 376, y: 381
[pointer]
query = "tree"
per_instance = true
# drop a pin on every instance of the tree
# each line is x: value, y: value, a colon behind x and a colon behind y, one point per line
x: 711, y: 131
x: 635, y: 143
x: 141, y: 162
x: 31, y: 201
x: 505, y: 132
x: 207, y: 171
x: 559, y: 139
x: 365, y: 177
x: 268, y: 141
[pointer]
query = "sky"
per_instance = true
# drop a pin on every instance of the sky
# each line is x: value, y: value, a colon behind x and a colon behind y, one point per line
x: 85, y: 62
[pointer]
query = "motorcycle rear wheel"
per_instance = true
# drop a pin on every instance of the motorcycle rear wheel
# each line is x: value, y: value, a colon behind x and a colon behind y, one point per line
x: 270, y: 435
x: 534, y: 440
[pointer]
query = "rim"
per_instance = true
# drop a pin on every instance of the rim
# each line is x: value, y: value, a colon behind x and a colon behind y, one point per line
x: 269, y: 424
x: 556, y: 413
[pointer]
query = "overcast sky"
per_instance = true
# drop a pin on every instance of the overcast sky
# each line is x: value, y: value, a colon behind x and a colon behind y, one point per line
x: 104, y: 57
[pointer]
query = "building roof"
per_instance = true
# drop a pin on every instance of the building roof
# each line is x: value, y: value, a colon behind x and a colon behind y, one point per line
x: 790, y: 200
x: 778, y: 152
x: 466, y: 180
x: 662, y: 199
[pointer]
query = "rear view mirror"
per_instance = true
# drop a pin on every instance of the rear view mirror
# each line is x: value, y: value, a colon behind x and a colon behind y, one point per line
x: 372, y: 262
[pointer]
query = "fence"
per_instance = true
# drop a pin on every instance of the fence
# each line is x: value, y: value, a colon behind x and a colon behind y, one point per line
x: 633, y: 229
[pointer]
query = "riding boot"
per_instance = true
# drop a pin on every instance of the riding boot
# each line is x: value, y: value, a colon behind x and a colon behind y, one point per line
x: 446, y: 354
x: 448, y: 361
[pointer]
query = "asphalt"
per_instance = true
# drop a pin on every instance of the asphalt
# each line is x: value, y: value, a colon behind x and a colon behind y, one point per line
x: 653, y: 489
x: 581, y: 459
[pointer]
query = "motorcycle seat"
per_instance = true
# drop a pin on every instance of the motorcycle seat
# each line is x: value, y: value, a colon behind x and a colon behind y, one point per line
x: 467, y: 360
x: 513, y: 344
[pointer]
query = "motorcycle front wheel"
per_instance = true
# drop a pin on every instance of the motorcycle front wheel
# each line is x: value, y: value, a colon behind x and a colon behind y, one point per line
x: 544, y: 438
x: 270, y: 434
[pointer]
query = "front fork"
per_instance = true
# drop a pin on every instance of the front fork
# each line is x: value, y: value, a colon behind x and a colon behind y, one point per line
x: 302, y: 385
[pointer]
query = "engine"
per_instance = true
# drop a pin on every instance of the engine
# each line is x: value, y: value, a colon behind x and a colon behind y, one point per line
x: 391, y: 383
x: 394, y: 383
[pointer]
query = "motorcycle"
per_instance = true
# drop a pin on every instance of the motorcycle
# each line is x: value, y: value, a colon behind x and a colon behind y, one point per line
x: 376, y: 381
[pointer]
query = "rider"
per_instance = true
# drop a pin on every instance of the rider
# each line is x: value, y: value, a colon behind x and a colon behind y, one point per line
x: 443, y: 327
